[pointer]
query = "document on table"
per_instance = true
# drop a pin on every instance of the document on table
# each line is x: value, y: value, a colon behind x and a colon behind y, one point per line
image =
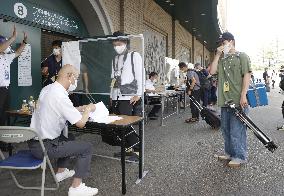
x: 101, y: 114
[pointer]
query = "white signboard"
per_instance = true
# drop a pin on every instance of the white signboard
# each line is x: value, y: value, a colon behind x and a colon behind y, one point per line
x: 71, y: 54
x: 25, y: 67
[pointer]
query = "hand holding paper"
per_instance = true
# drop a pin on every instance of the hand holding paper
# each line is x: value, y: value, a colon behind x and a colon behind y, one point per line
x: 101, y: 114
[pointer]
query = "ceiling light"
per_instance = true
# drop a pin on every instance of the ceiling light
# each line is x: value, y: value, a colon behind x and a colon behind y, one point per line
x: 186, y: 21
x: 202, y: 14
x: 168, y: 1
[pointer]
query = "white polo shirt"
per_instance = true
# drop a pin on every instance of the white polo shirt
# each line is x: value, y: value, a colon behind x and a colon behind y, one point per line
x: 54, y: 109
x: 149, y: 85
x: 5, y: 62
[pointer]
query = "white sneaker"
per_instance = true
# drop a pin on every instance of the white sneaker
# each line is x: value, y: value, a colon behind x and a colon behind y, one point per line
x: 234, y: 163
x: 64, y: 175
x: 82, y: 190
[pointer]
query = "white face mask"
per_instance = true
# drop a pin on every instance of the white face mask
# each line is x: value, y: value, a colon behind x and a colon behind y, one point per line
x: 155, y: 80
x: 8, y: 50
x: 56, y: 51
x: 72, y: 87
x: 227, y: 48
x: 120, y: 49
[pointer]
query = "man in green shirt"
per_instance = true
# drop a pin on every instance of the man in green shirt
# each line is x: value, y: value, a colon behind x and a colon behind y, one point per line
x: 234, y: 70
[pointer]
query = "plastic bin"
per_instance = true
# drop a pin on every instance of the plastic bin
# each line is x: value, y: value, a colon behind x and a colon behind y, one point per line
x: 257, y: 96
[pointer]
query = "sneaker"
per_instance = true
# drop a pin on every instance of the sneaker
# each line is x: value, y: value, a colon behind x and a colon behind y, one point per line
x: 224, y: 158
x: 281, y: 128
x: 234, y: 163
x: 64, y: 175
x: 82, y: 190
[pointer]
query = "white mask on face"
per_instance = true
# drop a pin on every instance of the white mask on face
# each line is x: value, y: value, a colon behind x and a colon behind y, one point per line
x: 8, y: 50
x: 120, y: 49
x: 72, y: 87
x: 56, y: 51
x: 227, y: 48
x: 155, y: 80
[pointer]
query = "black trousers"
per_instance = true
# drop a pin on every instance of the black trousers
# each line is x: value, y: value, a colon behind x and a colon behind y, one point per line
x: 123, y: 107
x: 156, y: 106
x: 194, y: 111
x: 4, y: 104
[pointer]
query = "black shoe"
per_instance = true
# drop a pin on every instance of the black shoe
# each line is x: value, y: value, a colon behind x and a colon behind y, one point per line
x: 153, y: 116
x: 134, y: 158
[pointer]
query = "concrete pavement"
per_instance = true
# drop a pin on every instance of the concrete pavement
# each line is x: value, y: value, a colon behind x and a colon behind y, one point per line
x: 180, y: 160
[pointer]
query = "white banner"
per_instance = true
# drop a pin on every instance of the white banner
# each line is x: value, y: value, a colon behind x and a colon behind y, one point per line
x: 71, y: 54
x: 25, y: 67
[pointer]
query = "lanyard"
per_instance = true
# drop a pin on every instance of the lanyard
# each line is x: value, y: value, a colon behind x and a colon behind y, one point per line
x: 116, y: 71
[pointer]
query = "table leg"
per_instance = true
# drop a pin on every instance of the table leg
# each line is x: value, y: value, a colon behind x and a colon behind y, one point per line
x: 184, y: 99
x: 10, y: 147
x: 163, y: 110
x: 123, y: 183
x: 141, y: 149
x: 177, y: 99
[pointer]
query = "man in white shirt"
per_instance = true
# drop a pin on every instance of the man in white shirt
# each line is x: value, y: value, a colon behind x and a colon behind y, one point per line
x: 7, y: 55
x: 127, y: 85
x: 53, y: 110
x: 150, y: 88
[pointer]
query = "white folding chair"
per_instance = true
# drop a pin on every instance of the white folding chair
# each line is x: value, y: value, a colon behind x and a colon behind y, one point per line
x: 24, y: 160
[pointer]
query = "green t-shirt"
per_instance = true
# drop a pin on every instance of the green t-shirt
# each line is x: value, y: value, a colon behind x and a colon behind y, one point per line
x: 231, y: 70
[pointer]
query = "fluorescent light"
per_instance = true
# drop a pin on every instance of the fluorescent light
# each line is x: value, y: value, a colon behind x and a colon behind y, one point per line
x: 202, y: 14
x: 186, y: 21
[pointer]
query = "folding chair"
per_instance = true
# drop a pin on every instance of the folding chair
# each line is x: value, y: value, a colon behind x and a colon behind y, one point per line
x: 24, y: 160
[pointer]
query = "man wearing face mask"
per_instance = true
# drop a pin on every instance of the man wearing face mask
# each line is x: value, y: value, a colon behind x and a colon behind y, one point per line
x: 51, y: 66
x: 126, y: 80
x: 53, y: 110
x: 234, y: 70
x: 7, y: 55
x: 150, y: 88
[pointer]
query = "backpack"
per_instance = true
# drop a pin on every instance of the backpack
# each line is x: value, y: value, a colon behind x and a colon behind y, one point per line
x: 204, y: 81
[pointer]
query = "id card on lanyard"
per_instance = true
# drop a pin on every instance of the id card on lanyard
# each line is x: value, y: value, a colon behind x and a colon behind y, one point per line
x: 226, y: 85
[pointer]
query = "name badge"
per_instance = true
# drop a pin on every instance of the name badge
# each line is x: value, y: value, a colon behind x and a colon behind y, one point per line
x: 112, y: 83
x: 7, y: 75
x: 226, y: 86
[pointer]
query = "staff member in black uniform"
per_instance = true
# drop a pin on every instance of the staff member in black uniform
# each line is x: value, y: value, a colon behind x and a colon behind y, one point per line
x: 51, y: 66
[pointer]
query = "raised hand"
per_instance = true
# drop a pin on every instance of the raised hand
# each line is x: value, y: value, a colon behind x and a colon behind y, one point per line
x: 14, y: 35
x: 25, y: 37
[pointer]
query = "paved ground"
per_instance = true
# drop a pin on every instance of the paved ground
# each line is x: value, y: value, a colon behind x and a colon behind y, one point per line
x: 180, y: 160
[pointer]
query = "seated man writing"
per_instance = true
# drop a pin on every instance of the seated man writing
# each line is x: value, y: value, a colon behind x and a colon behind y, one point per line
x: 49, y: 120
x: 150, y: 88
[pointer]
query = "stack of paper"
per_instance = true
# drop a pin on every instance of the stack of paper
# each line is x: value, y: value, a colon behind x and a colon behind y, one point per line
x: 101, y: 114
